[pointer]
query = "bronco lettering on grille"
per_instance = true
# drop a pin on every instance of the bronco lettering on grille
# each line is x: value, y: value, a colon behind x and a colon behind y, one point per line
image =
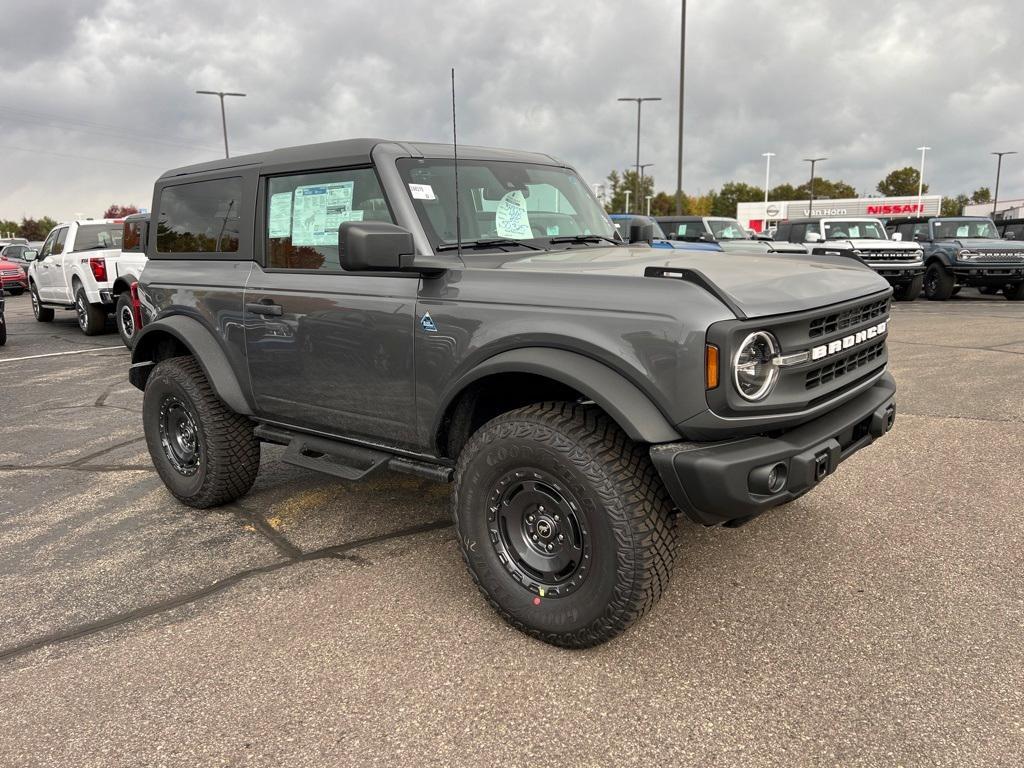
x: 839, y: 345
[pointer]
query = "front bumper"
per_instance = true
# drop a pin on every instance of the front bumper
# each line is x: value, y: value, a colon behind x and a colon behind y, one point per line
x: 726, y: 481
x: 988, y: 271
x: 897, y: 273
x: 14, y: 282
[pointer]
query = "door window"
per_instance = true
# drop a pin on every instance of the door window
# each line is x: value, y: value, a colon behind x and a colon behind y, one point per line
x: 58, y: 244
x: 48, y: 245
x: 304, y: 212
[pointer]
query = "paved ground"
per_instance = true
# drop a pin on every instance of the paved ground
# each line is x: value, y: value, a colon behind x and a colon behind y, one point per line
x: 877, y: 621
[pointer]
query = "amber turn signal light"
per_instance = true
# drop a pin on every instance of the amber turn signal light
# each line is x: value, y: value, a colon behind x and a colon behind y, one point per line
x: 710, y: 366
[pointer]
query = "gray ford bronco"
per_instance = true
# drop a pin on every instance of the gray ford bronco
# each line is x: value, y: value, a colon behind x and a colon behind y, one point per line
x: 342, y: 300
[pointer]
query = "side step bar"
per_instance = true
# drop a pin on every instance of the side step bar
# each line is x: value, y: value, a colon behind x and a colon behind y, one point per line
x: 346, y: 460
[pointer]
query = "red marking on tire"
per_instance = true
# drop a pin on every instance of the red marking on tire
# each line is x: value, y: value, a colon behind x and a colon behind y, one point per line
x: 536, y: 601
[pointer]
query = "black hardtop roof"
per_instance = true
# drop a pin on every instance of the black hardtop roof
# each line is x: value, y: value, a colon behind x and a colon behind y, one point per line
x: 355, y: 151
x: 685, y: 217
x: 924, y: 219
x: 1009, y: 221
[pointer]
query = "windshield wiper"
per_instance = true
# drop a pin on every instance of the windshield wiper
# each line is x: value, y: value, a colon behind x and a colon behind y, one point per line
x: 583, y: 239
x: 491, y: 243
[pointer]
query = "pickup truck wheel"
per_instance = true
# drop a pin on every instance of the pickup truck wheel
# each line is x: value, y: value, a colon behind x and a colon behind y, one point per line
x: 563, y: 522
x: 1014, y: 291
x: 41, y: 313
x: 205, y: 453
x: 909, y: 291
x: 124, y: 315
x: 91, y: 318
x: 938, y: 283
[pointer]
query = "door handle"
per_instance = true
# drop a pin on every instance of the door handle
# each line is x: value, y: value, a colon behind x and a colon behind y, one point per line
x: 265, y: 308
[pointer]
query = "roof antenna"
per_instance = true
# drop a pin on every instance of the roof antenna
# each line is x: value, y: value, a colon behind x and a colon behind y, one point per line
x: 455, y: 149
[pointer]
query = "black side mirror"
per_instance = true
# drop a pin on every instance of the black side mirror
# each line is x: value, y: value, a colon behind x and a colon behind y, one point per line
x: 920, y: 237
x: 1009, y: 235
x: 707, y: 237
x: 641, y: 233
x: 374, y: 246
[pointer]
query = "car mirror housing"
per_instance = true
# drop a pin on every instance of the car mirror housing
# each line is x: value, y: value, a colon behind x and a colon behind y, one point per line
x: 897, y: 236
x: 813, y: 237
x: 374, y: 246
x: 30, y: 255
x: 641, y: 233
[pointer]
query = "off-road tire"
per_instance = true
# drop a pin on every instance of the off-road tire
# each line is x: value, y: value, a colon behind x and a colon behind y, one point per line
x: 938, y: 283
x: 909, y: 291
x: 92, y: 318
x: 42, y: 314
x: 1014, y: 291
x: 229, y: 452
x: 620, y: 498
x: 124, y: 305
x: 3, y: 332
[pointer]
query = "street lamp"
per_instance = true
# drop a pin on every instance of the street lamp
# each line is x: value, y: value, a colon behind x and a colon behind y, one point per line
x: 627, y: 202
x: 999, y: 168
x: 813, y: 161
x: 648, y: 199
x: 642, y: 167
x: 920, y: 179
x: 767, y: 171
x: 223, y: 119
x: 639, y: 104
x: 682, y: 73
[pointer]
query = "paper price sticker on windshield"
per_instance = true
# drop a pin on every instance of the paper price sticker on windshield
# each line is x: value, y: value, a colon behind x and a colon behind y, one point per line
x: 511, y: 219
x: 422, y: 192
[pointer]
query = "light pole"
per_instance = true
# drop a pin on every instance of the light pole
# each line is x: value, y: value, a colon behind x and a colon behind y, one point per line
x: 999, y: 168
x: 767, y: 173
x: 813, y: 161
x: 627, y: 202
x: 682, y: 79
x: 223, y: 119
x: 639, y: 104
x: 648, y: 198
x: 642, y: 167
x: 920, y: 179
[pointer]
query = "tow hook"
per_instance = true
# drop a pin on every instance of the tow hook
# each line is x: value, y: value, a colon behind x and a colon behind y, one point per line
x: 820, y: 465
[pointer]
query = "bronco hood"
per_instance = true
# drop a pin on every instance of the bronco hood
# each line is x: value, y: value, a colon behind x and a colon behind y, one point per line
x: 985, y: 245
x: 756, y: 284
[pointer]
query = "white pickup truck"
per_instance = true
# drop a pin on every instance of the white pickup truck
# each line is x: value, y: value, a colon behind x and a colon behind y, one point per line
x: 82, y: 266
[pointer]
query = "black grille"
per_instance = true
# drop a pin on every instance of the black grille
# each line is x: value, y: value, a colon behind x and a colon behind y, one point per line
x: 829, y: 324
x: 995, y: 258
x: 848, y: 364
x: 891, y: 255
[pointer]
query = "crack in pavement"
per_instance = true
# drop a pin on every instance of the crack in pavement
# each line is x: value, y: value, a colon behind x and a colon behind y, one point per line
x: 333, y: 552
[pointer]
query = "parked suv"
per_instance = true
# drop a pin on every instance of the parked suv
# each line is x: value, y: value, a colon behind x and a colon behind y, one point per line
x: 1011, y: 229
x: 81, y: 267
x: 337, y: 300
x: 964, y: 251
x: 728, y: 233
x: 12, y: 275
x: 634, y: 228
x: 901, y: 264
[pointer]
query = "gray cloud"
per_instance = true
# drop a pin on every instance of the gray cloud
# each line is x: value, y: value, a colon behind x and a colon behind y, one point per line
x: 99, y: 96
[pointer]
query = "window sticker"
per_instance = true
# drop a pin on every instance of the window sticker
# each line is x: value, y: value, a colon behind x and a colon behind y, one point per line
x: 422, y: 192
x: 511, y: 219
x: 552, y: 230
x: 280, y: 224
x: 318, y: 210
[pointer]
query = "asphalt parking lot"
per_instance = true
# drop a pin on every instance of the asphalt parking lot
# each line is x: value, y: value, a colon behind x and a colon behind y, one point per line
x: 876, y: 621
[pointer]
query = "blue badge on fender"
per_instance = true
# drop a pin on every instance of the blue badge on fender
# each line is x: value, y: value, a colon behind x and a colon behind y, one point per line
x: 427, y: 323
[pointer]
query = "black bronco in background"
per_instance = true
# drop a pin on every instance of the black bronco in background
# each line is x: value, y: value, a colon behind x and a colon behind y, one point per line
x: 901, y: 264
x: 578, y: 391
x: 964, y: 251
x: 1011, y: 229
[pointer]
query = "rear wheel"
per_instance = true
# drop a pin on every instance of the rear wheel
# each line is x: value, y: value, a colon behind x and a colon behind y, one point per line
x: 124, y: 316
x: 563, y: 522
x: 205, y: 453
x: 91, y: 317
x: 909, y: 291
x: 41, y: 313
x: 1014, y: 291
x: 938, y: 283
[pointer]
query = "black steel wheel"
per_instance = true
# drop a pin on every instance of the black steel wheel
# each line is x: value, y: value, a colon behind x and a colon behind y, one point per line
x: 563, y: 522
x: 179, y: 436
x: 938, y: 283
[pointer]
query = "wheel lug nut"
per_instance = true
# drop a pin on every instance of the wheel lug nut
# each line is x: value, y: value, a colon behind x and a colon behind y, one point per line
x: 561, y: 537
x: 530, y: 518
x: 535, y: 537
x: 550, y: 547
x: 556, y: 518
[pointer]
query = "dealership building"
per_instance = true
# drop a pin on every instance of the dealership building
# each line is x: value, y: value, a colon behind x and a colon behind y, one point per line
x: 761, y: 216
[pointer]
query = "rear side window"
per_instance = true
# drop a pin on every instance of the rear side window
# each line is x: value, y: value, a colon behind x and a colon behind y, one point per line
x: 134, y: 237
x: 781, y: 232
x: 201, y: 217
x: 304, y: 212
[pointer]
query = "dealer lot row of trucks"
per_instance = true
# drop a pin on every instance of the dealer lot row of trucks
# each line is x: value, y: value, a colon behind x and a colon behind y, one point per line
x: 579, y: 392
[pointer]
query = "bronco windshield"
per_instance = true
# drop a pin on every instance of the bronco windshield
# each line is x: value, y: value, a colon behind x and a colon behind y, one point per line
x: 965, y: 228
x: 515, y: 205
x: 727, y: 229
x: 845, y: 230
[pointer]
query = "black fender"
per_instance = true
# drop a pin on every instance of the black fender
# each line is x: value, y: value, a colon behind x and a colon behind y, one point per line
x: 201, y: 344
x: 622, y: 400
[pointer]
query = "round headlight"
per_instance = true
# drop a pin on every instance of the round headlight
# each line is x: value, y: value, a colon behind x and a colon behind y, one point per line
x: 754, y: 368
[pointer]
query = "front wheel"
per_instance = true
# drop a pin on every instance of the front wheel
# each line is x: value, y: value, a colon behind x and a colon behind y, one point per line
x: 3, y: 329
x: 909, y: 291
x: 124, y: 315
x: 205, y: 453
x: 41, y: 313
x: 938, y: 283
x: 91, y: 317
x: 564, y: 523
x: 1014, y: 291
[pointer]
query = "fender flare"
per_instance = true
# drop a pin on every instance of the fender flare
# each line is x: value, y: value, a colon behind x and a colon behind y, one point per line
x: 622, y: 400
x: 202, y: 344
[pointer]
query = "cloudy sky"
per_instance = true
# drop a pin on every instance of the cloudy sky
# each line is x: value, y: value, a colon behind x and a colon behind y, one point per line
x: 97, y: 97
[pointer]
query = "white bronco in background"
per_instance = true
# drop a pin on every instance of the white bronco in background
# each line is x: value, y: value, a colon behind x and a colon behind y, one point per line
x: 81, y: 266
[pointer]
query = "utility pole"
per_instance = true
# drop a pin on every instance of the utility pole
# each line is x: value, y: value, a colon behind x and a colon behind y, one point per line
x: 682, y: 80
x: 767, y: 174
x: 642, y: 167
x: 813, y: 161
x: 639, y: 104
x: 223, y: 118
x: 920, y: 179
x: 999, y: 168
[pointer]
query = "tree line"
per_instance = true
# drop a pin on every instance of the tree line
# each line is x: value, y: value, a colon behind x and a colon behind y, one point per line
x: 37, y: 229
x: 900, y: 182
